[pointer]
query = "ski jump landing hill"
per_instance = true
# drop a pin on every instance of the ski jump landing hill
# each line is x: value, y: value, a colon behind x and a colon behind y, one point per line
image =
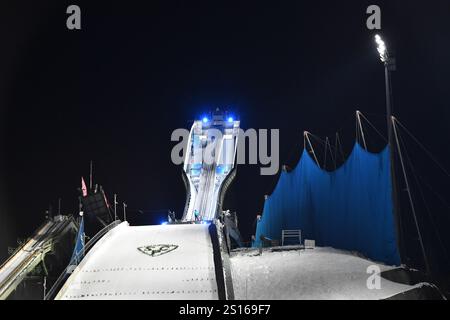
x: 149, y: 262
x: 174, y: 261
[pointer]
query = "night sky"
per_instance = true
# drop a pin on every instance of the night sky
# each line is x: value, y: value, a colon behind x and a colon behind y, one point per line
x: 114, y: 91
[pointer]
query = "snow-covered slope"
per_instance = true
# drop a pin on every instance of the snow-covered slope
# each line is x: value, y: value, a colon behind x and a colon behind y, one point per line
x: 130, y: 263
x: 320, y: 273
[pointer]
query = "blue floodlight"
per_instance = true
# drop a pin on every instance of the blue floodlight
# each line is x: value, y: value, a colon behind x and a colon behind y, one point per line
x: 230, y: 119
x: 205, y: 119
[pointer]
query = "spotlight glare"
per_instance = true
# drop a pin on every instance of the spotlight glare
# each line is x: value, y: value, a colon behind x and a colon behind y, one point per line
x: 205, y: 119
x: 381, y: 48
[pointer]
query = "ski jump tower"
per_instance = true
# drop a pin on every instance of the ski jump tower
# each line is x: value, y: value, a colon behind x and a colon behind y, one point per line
x: 209, y: 165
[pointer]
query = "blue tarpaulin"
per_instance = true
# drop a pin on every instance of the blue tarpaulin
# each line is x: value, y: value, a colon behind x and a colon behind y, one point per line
x: 350, y: 208
x: 78, y: 251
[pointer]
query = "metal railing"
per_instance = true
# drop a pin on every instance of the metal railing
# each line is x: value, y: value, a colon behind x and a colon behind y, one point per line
x: 77, y: 259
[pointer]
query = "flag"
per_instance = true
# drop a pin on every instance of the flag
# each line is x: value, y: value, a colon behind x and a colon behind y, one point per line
x: 78, y: 251
x: 83, y: 187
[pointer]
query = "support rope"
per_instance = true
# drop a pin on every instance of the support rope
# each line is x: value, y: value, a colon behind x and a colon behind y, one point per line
x: 424, y: 200
x: 423, y: 148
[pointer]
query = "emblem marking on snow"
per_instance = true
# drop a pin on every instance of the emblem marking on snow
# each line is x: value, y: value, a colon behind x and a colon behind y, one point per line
x: 157, y: 249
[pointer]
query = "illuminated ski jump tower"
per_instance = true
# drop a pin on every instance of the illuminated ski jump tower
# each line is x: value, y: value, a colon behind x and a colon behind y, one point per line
x: 209, y: 165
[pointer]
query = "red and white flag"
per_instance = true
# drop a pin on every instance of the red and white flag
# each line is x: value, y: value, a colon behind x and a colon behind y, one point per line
x: 83, y: 187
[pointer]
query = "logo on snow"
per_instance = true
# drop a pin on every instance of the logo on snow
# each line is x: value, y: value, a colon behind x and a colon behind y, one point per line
x: 157, y: 249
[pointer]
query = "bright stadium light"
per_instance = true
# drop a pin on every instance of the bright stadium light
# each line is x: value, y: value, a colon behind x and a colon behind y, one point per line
x: 205, y: 119
x: 230, y: 119
x: 381, y: 48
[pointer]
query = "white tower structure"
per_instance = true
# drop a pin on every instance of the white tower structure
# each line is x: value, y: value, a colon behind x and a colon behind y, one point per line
x: 209, y: 165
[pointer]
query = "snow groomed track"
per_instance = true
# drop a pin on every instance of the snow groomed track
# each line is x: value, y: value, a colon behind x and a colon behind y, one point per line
x: 147, y: 262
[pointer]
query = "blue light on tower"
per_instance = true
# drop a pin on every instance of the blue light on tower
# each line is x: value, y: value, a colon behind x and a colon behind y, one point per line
x: 205, y: 119
x: 230, y: 119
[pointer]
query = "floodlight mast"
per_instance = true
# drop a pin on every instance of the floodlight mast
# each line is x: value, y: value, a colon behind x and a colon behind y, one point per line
x: 389, y: 65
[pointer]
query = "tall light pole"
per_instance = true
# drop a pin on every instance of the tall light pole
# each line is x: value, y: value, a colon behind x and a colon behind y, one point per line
x: 389, y: 66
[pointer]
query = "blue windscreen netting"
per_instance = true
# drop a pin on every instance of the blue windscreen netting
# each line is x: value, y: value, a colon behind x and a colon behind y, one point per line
x: 350, y: 208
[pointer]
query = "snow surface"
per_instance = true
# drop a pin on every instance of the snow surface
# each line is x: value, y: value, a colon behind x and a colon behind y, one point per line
x: 116, y: 269
x: 320, y: 273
